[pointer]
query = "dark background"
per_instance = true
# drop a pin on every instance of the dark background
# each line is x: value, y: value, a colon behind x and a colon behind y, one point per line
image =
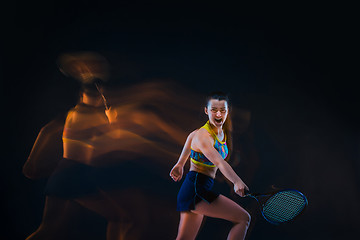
x: 290, y: 65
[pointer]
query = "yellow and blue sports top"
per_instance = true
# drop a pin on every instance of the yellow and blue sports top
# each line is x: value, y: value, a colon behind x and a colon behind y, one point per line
x: 200, y: 159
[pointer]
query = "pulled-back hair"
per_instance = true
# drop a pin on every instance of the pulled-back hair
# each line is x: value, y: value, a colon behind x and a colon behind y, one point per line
x: 218, y: 95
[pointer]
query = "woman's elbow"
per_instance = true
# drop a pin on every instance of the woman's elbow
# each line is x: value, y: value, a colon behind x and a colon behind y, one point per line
x: 31, y: 172
x: 28, y: 171
x: 219, y: 164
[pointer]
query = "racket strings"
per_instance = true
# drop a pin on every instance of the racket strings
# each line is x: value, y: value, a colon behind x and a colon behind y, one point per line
x: 284, y: 206
x: 280, y: 209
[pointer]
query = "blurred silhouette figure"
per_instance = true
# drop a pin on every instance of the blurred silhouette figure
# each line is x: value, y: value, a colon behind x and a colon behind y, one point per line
x: 48, y: 151
x: 114, y: 160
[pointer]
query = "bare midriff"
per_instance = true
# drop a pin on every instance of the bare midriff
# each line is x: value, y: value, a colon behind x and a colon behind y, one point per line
x: 208, y: 171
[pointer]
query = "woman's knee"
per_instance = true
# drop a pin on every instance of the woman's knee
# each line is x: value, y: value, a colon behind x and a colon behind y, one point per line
x: 243, y: 217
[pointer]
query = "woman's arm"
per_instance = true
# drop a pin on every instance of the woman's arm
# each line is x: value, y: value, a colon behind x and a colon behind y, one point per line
x: 185, y: 153
x: 46, y: 152
x: 177, y: 171
x: 205, y: 144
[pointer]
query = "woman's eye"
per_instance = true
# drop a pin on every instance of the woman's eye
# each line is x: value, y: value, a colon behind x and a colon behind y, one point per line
x: 215, y: 111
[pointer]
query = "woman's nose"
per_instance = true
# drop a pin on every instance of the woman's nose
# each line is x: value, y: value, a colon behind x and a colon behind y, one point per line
x: 218, y: 114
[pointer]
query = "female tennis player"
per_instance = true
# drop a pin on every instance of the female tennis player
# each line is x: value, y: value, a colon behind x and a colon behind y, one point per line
x: 208, y: 149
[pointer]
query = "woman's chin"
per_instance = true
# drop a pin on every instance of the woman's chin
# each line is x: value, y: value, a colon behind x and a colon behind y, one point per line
x: 217, y: 124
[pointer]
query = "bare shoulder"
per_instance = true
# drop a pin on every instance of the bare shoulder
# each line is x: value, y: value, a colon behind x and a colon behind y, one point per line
x: 201, y: 137
x: 69, y: 116
x: 192, y: 134
x: 202, y: 132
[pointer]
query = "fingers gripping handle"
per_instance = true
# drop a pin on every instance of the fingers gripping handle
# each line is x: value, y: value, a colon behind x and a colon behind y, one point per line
x: 247, y: 193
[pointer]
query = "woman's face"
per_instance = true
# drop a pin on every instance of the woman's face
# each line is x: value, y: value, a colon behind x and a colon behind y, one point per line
x: 217, y: 111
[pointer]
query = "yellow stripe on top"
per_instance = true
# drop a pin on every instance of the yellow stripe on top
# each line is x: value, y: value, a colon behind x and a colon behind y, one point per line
x: 202, y: 164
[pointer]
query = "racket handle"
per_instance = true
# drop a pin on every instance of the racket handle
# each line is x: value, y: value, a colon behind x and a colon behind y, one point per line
x: 97, y: 82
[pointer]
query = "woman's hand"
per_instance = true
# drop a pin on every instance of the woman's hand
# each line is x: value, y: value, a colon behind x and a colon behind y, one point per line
x: 111, y: 114
x: 240, y: 187
x: 177, y: 172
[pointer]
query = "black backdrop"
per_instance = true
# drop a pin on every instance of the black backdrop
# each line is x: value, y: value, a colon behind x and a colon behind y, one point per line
x: 289, y: 64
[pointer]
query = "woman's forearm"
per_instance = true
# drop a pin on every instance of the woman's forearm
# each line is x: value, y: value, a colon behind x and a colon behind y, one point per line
x: 228, y: 172
x: 184, y: 156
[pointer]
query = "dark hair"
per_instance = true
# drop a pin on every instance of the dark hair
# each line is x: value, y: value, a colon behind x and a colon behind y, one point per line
x: 218, y: 95
x: 91, y: 89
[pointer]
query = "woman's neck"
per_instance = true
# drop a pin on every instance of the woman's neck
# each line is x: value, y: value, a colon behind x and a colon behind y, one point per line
x: 216, y: 130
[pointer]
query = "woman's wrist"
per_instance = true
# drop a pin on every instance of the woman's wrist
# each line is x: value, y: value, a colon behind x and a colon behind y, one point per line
x: 238, y: 181
x: 180, y: 164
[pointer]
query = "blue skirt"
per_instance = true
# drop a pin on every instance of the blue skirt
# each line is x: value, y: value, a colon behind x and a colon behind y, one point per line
x: 72, y: 179
x: 196, y: 187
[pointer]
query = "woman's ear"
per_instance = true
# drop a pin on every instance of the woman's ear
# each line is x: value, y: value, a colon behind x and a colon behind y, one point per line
x: 206, y: 110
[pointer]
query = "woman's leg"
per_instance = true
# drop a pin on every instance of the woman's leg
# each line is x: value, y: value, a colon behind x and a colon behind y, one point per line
x: 56, y: 217
x: 224, y: 208
x: 189, y: 225
x: 125, y: 210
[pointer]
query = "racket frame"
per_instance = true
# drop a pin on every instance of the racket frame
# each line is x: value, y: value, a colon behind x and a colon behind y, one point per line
x: 267, y: 196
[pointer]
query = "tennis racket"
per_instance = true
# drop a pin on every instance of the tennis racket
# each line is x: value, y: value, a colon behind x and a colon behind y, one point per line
x: 281, y: 206
x: 101, y: 93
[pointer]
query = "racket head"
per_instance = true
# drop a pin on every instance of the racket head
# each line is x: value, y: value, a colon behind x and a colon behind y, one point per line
x: 284, y: 206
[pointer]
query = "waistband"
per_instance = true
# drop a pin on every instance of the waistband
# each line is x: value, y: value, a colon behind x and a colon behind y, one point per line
x: 199, y: 175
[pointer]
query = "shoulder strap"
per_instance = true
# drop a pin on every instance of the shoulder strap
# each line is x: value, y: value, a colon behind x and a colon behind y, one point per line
x: 208, y: 128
